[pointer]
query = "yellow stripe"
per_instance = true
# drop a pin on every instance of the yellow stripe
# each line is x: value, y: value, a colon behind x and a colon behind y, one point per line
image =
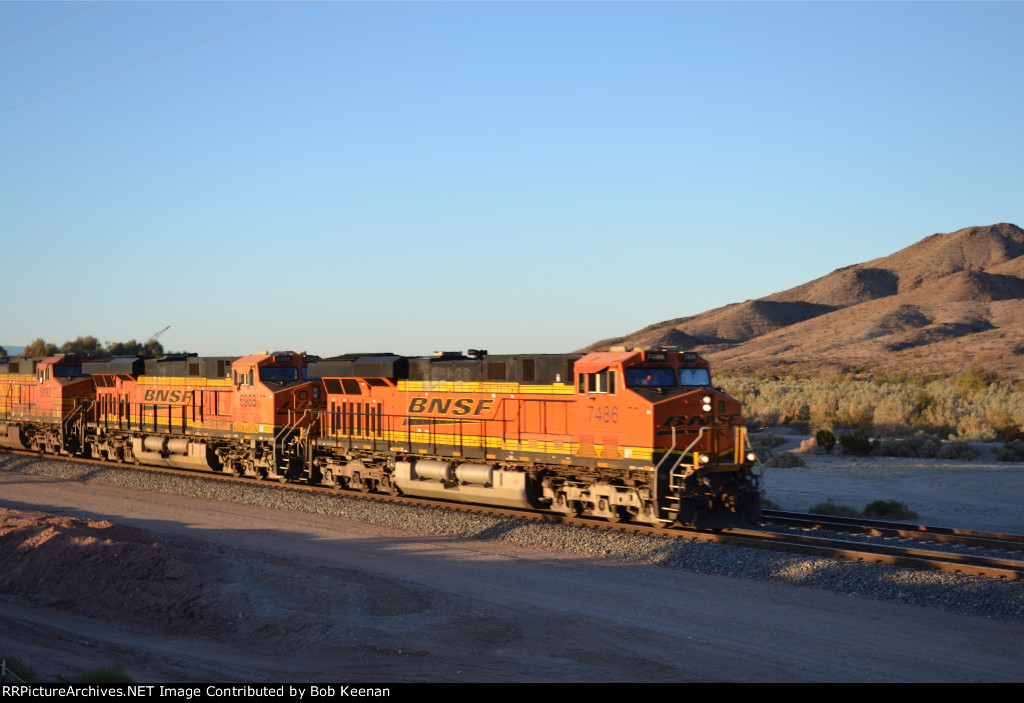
x: 483, y: 387
x: 145, y: 422
x: 488, y: 442
x: 184, y: 381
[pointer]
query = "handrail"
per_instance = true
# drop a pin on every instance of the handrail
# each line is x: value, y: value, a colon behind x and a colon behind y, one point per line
x: 682, y: 454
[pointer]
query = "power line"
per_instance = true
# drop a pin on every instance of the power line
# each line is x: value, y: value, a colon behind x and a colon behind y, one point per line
x: 81, y: 9
x: 154, y: 58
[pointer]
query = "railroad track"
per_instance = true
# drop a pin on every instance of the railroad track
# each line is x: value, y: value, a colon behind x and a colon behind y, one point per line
x: 866, y: 550
x: 902, y: 530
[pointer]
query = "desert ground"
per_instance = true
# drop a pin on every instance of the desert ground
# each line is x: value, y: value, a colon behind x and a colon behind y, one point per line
x: 178, y: 589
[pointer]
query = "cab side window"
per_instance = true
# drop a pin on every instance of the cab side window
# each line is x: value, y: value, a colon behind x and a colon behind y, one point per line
x: 600, y: 382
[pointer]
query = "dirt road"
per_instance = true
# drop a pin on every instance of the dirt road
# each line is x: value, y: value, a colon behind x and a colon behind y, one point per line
x: 185, y: 589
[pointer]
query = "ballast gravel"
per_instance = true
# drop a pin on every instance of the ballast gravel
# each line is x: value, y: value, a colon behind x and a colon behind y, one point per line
x: 951, y: 592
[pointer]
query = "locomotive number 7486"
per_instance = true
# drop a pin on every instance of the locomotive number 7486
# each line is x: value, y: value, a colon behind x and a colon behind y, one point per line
x: 603, y: 413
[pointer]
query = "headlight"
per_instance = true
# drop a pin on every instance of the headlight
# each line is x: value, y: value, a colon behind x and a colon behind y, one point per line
x: 705, y: 459
x: 751, y: 456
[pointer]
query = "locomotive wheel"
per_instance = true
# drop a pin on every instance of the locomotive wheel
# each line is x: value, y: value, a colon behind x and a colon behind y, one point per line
x: 569, y: 508
x: 358, y: 483
x: 389, y: 487
x: 618, y: 515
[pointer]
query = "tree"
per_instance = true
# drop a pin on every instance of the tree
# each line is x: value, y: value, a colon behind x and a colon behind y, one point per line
x: 40, y: 348
x: 151, y: 349
x: 83, y: 345
x: 91, y: 346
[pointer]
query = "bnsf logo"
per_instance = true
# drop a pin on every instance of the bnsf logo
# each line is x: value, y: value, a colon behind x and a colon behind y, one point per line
x: 698, y: 420
x: 155, y: 396
x: 449, y: 406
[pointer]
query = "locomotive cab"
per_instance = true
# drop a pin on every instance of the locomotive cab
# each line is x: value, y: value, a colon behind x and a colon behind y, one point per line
x: 659, y: 406
x: 44, y: 401
x: 273, y: 385
x: 275, y: 404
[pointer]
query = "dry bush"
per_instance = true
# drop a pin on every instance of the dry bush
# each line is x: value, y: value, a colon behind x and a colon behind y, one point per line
x: 764, y: 442
x: 920, y: 445
x: 974, y: 405
x: 785, y: 460
x: 960, y: 451
x: 830, y: 507
x: 888, y: 510
x: 1011, y: 451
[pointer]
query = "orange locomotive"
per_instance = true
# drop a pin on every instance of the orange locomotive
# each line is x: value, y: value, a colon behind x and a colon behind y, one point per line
x: 615, y: 434
x: 618, y: 434
x: 225, y: 414
x: 42, y: 403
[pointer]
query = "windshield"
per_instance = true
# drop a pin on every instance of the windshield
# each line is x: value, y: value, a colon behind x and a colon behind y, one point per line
x: 279, y: 374
x: 694, y: 377
x: 67, y: 371
x: 650, y: 378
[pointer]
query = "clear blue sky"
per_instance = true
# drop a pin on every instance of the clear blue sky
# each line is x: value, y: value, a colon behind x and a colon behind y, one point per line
x: 514, y: 176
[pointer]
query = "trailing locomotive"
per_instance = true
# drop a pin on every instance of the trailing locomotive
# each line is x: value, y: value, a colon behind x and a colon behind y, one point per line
x: 617, y: 434
x: 43, y: 404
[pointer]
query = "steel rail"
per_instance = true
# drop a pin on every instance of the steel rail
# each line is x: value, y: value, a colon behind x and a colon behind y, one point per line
x: 930, y: 533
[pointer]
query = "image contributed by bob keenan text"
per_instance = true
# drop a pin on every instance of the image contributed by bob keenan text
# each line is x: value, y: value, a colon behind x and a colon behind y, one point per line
x: 194, y: 692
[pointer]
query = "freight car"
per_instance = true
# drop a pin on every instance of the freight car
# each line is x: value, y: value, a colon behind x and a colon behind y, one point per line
x: 617, y: 434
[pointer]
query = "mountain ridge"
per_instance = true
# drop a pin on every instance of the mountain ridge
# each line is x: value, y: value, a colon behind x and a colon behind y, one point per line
x: 935, y: 307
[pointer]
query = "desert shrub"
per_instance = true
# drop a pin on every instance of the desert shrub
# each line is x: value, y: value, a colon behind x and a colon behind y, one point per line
x: 896, y: 410
x: 826, y: 439
x: 764, y: 442
x: 753, y: 426
x: 888, y: 510
x: 1001, y: 421
x: 107, y: 674
x: 974, y: 424
x: 975, y: 405
x: 972, y: 380
x: 19, y: 671
x: 785, y: 460
x: 795, y: 412
x: 769, y: 504
x: 830, y: 507
x: 919, y: 445
x: 960, y: 451
x: 1011, y: 451
x: 856, y: 443
x: 859, y: 416
x: 799, y: 426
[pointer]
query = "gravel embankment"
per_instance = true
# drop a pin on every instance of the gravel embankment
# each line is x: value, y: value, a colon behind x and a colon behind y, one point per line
x: 951, y: 592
